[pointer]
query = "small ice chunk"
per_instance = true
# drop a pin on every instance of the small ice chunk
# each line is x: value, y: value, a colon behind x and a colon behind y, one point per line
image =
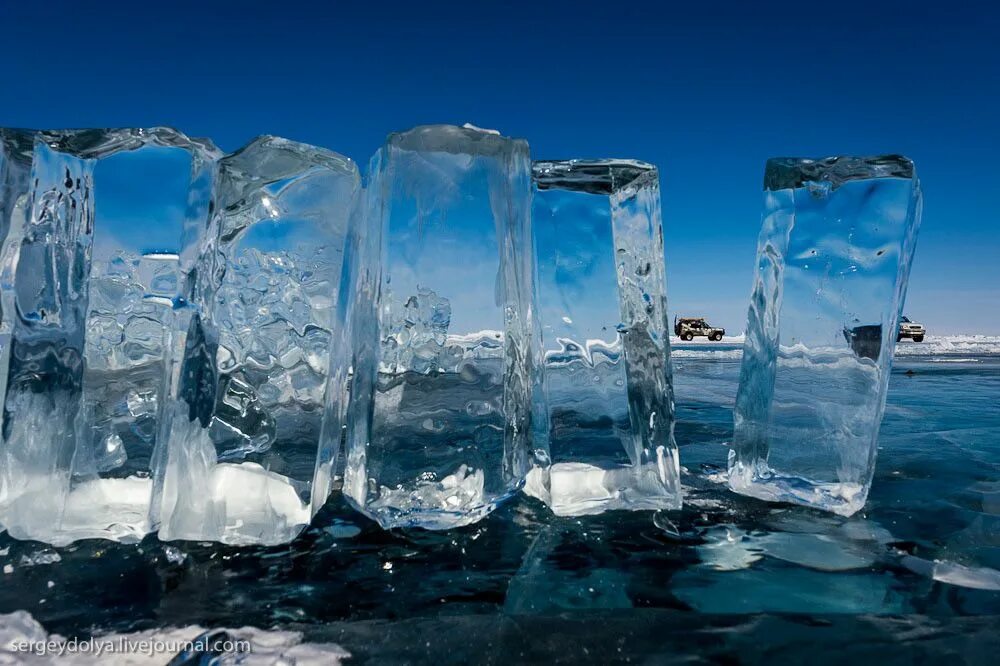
x: 728, y: 548
x: 40, y: 557
x: 979, y: 578
x: 239, y: 504
x: 174, y: 555
x: 340, y: 529
x: 943, y: 571
x: 573, y: 487
x: 578, y: 488
x: 454, y: 493
x: 110, y: 508
x: 815, y: 551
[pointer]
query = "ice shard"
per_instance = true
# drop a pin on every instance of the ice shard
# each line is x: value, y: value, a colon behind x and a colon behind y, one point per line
x: 445, y: 356
x: 608, y: 397
x: 250, y: 445
x: 833, y: 261
x: 16, y: 149
x: 97, y: 259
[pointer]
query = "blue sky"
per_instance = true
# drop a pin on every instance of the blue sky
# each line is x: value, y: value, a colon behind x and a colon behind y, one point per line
x: 706, y: 92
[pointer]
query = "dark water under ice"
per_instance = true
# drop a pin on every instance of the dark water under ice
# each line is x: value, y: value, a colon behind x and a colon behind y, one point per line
x: 724, y: 579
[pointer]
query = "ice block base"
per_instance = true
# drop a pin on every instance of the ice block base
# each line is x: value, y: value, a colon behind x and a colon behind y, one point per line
x: 843, y: 499
x: 579, y: 489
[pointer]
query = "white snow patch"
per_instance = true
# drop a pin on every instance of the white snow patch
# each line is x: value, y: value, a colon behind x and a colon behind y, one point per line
x: 935, y: 345
x: 481, y: 129
x: 717, y: 354
x: 951, y: 348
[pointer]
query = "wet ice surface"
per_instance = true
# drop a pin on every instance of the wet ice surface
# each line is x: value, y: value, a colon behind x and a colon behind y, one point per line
x: 914, y: 574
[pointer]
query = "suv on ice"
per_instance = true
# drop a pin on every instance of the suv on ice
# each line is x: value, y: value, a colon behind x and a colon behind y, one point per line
x: 687, y: 327
x: 910, y: 329
x: 866, y: 341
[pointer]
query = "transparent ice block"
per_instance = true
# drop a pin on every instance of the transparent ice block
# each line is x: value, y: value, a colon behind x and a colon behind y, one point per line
x: 97, y: 259
x: 833, y: 262
x: 445, y: 355
x: 16, y: 149
x: 251, y: 439
x: 602, y: 303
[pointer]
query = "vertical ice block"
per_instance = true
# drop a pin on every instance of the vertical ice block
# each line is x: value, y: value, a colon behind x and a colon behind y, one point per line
x: 94, y: 266
x: 445, y: 356
x: 16, y: 149
x: 251, y: 441
x: 833, y: 261
x: 608, y: 397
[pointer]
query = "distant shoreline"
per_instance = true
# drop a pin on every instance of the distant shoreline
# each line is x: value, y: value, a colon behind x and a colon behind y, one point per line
x: 731, y: 347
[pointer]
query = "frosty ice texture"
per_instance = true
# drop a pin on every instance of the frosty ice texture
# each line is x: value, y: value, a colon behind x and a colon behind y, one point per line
x: 101, y: 242
x: 251, y: 441
x: 16, y: 149
x: 608, y: 398
x: 445, y: 356
x: 833, y: 261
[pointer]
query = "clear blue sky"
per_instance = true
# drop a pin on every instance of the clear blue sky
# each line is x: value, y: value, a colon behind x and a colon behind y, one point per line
x: 707, y: 91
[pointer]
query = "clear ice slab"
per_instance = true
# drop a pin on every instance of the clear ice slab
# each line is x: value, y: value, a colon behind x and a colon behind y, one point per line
x: 607, y: 404
x: 101, y: 239
x: 253, y: 428
x: 445, y: 353
x: 833, y: 261
x: 16, y: 150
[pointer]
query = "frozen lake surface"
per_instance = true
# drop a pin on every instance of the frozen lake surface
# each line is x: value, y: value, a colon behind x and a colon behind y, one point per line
x: 914, y: 575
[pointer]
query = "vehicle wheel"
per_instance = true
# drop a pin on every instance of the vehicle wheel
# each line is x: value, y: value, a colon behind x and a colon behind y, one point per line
x: 687, y: 336
x: 918, y: 338
x: 717, y: 337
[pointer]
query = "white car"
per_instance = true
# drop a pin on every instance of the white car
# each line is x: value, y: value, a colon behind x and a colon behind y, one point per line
x: 910, y: 329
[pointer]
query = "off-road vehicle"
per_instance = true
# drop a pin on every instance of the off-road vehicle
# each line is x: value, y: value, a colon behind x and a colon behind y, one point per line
x: 687, y: 327
x: 866, y: 341
x: 910, y: 329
